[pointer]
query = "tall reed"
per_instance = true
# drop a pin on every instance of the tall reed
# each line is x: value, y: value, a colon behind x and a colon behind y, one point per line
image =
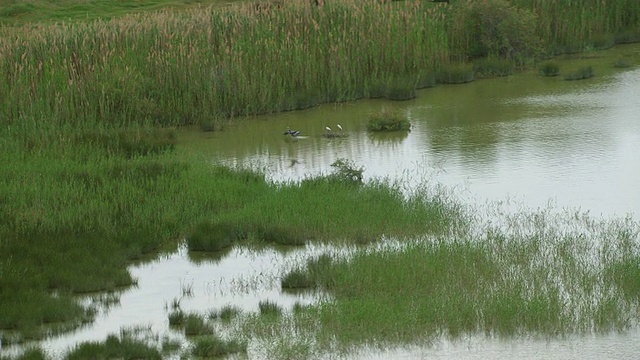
x: 181, y: 68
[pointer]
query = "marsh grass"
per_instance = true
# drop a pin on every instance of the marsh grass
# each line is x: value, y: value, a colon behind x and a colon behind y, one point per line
x: 492, y: 67
x: 114, y: 347
x: 388, y: 120
x: 269, y: 308
x: 455, y: 74
x: 549, y: 68
x: 536, y: 273
x: 212, y: 346
x: 403, y: 88
x: 582, y: 73
x: 209, y: 235
x: 622, y: 62
x: 226, y: 313
x: 195, y: 324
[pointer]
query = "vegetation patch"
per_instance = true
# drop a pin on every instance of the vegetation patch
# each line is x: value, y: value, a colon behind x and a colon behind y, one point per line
x: 269, y: 308
x: 388, y: 120
x: 549, y: 68
x: 455, y: 74
x: 582, y: 73
x: 403, y: 88
x: 492, y: 67
x: 212, y: 346
x: 114, y: 347
x: 530, y: 277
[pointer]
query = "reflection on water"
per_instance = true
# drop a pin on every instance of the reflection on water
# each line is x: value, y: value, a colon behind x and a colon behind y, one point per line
x: 526, y: 137
x: 200, y: 283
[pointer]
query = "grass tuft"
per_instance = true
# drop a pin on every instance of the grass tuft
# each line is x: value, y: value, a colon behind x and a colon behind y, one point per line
x: 549, y: 68
x: 212, y: 346
x: 582, y: 73
x: 388, y: 120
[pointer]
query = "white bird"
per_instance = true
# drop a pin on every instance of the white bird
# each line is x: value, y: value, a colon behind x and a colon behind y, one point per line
x: 327, y: 128
x: 340, y: 127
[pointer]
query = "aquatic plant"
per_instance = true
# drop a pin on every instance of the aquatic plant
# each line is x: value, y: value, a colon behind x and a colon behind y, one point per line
x: 582, y: 73
x: 402, y: 88
x: 622, y: 62
x: 269, y: 308
x: 195, y: 324
x: 226, y: 313
x: 549, y: 68
x: 388, y: 120
x: 114, y: 347
x: 491, y: 67
x: 210, y: 235
x: 455, y: 74
x: 212, y: 346
x: 537, y: 272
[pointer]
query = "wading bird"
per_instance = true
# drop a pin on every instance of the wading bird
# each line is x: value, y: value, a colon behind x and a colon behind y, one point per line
x: 292, y: 132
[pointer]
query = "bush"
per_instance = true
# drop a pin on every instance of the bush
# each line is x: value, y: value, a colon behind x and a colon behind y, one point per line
x: 580, y: 74
x: 549, y: 68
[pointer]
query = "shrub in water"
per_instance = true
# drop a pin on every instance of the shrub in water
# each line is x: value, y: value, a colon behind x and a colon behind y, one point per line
x: 455, y: 74
x: 387, y: 120
x: 346, y: 170
x: 580, y: 74
x: 622, y: 63
x: 549, y: 68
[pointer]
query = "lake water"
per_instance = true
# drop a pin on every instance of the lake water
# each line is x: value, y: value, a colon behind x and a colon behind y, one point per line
x: 523, y: 140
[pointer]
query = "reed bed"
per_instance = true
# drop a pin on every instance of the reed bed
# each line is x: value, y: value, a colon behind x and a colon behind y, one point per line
x: 174, y: 68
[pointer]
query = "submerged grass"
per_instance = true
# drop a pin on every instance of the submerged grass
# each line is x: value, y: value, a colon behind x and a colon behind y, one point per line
x: 535, y: 273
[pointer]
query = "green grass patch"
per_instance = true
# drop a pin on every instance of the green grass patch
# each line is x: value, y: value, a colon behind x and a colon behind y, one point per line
x: 388, y: 120
x: 212, y: 346
x: 543, y: 274
x: 114, y: 347
x: 226, y: 313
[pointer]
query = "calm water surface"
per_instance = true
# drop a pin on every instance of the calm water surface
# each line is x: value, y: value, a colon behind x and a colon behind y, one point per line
x: 526, y: 139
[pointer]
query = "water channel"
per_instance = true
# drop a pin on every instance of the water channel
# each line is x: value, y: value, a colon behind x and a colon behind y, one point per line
x: 524, y: 140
